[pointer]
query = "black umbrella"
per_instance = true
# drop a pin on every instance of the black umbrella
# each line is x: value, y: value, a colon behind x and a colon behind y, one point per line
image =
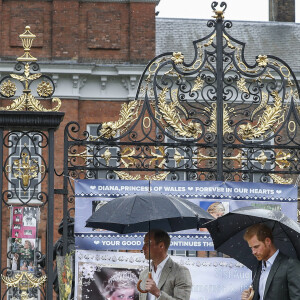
x: 227, y: 233
x: 135, y: 213
x: 142, y: 212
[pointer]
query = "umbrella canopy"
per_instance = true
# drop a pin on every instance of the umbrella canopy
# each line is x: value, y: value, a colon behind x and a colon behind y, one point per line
x: 134, y: 213
x: 227, y: 233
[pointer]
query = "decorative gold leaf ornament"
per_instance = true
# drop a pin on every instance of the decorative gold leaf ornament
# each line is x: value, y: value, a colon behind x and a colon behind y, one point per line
x: 8, y: 88
x: 271, y: 118
x: 27, y: 101
x: 262, y: 105
x: 158, y: 156
x: 128, y: 153
x: 202, y: 157
x: 23, y: 281
x: 126, y: 176
x: 198, y: 85
x: 262, y: 158
x: 282, y: 158
x: 178, y: 157
x: 45, y: 89
x: 158, y: 177
x: 107, y: 156
x: 279, y: 180
x: 213, y: 118
x: 241, y: 84
x: 177, y: 58
x: 110, y: 129
x: 172, y: 118
x: 218, y: 14
x: 262, y: 60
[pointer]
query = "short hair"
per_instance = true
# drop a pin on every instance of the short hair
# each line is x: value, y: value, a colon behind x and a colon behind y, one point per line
x: 261, y: 230
x: 216, y: 207
x: 121, y: 280
x: 160, y: 236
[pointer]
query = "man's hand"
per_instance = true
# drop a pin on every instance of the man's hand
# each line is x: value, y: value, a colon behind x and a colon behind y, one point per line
x: 247, y: 293
x: 151, y: 287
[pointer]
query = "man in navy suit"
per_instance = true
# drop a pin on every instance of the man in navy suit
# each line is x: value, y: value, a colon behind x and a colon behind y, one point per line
x: 277, y: 276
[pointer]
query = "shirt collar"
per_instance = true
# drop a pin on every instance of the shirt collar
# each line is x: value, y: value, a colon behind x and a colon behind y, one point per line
x: 162, y: 264
x: 272, y: 258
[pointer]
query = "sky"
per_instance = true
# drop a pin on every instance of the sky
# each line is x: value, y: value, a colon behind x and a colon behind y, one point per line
x: 248, y: 10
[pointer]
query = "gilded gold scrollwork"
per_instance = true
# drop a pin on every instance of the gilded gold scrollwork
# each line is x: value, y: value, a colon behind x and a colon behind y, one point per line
x: 201, y: 157
x: 106, y: 156
x: 126, y: 176
x: 281, y: 160
x: 128, y: 114
x: 8, y: 88
x: 198, y: 84
x: 226, y: 116
x: 271, y: 118
x: 83, y: 155
x: 157, y: 156
x: 25, y: 169
x: 262, y: 158
x: 279, y: 180
x: 241, y: 84
x: 157, y: 177
x: 45, y: 89
x: 128, y: 154
x: 178, y: 157
x: 27, y: 101
x: 172, y: 118
x: 23, y: 281
x: 177, y: 58
x: 262, y: 61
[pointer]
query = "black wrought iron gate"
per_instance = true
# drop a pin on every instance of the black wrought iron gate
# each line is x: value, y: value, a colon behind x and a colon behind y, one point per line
x: 215, y: 118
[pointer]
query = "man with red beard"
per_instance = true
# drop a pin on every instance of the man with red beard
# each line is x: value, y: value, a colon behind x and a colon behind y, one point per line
x: 277, y: 276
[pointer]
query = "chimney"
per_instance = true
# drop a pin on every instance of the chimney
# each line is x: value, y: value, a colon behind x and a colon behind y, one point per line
x: 282, y: 10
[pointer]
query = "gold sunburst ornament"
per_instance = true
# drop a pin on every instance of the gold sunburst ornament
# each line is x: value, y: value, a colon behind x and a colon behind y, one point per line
x: 44, y: 89
x: 8, y: 89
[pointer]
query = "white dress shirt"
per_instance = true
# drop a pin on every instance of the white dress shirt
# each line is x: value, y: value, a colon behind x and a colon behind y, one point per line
x: 156, y: 275
x: 266, y: 267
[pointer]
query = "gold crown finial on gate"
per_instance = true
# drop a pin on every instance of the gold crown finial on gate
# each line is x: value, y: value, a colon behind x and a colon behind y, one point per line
x: 27, y: 38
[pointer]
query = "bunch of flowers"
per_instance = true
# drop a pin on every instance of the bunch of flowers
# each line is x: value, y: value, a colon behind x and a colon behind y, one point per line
x: 65, y: 275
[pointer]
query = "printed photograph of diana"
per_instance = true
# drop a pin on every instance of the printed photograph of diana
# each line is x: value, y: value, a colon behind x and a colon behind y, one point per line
x: 215, y: 208
x: 111, y: 284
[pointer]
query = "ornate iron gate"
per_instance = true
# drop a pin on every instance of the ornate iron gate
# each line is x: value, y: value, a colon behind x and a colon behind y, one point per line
x: 27, y: 178
x: 216, y: 118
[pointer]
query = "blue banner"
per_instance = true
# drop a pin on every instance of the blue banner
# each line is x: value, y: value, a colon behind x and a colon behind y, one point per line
x: 218, y: 198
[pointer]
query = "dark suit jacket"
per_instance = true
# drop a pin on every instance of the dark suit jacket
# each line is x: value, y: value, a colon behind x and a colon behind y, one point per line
x: 283, y: 282
x: 175, y: 282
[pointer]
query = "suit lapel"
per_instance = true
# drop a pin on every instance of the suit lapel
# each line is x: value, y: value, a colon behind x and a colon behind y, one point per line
x: 165, y: 272
x: 273, y: 270
x: 255, y: 281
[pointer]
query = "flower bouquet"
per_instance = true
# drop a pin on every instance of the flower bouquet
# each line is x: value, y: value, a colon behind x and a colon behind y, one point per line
x: 65, y: 275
